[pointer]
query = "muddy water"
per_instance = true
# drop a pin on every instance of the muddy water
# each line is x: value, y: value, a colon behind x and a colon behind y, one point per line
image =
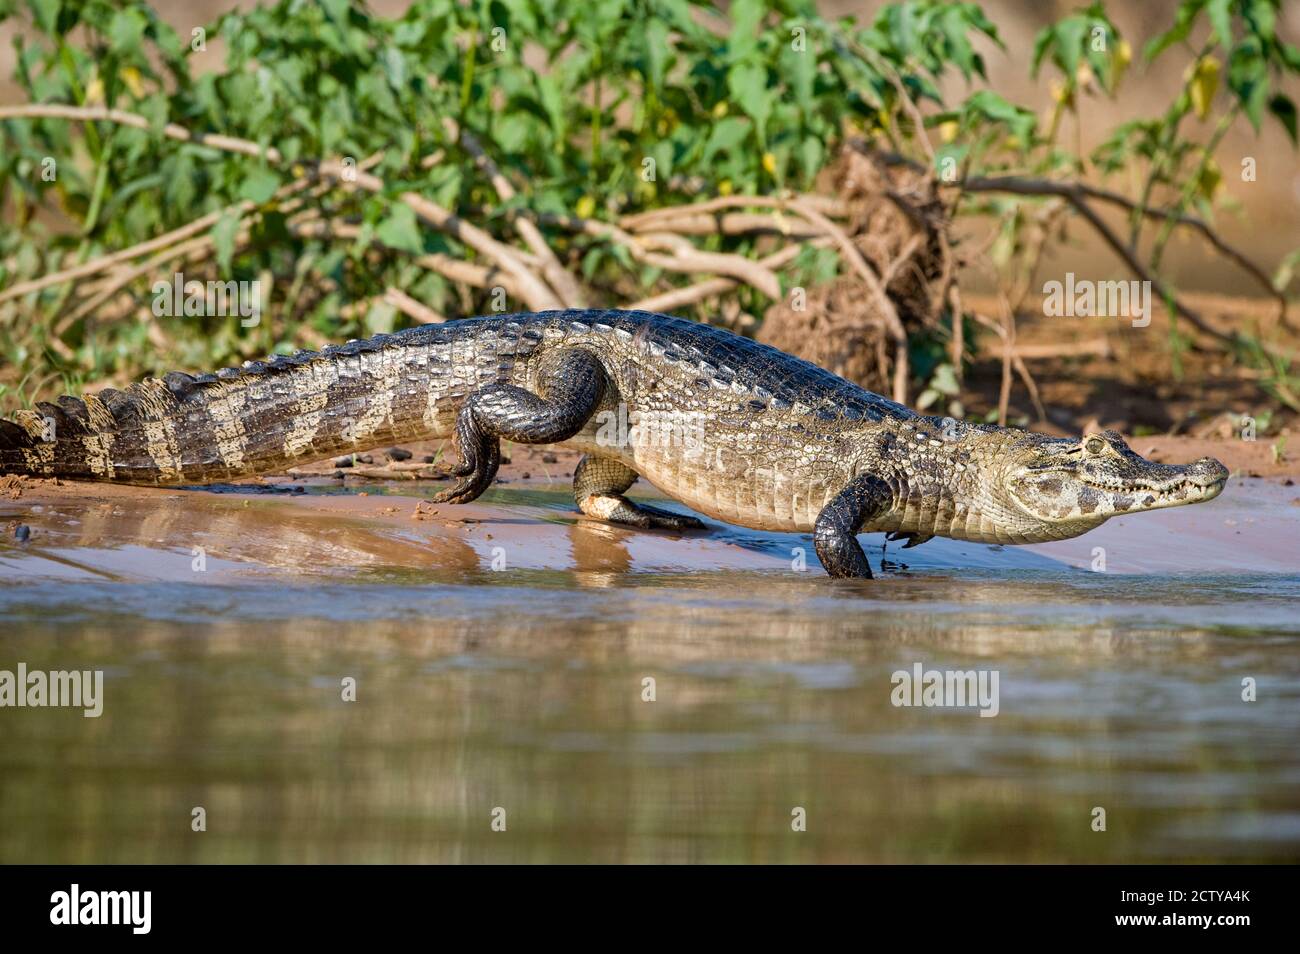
x: 225, y: 625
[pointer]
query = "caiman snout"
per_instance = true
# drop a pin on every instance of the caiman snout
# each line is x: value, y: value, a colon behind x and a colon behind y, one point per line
x: 1207, y: 471
x: 1208, y: 474
x: 1200, y: 480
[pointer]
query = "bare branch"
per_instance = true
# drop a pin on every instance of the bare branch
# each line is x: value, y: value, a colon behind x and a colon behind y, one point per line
x: 830, y: 207
x: 1076, y: 191
x: 124, y: 118
x: 690, y: 294
x: 535, y: 293
x: 413, y: 309
x: 682, y: 257
x: 565, y: 285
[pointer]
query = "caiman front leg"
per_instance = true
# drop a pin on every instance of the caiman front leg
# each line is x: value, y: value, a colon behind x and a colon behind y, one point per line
x: 598, y: 486
x: 574, y: 389
x: 835, y: 532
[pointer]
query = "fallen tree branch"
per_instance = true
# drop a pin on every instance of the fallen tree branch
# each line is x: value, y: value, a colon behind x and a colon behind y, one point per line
x: 123, y: 118
x: 416, y: 311
x: 536, y: 295
x: 649, y: 220
x: 96, y: 265
x: 691, y: 294
x: 564, y: 283
x: 682, y: 255
x: 455, y: 269
x: 735, y: 223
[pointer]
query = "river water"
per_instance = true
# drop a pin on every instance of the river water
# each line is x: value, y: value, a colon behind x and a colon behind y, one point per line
x: 608, y: 696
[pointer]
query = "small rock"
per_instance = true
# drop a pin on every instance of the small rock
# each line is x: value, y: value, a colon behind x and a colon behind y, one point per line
x: 550, y: 459
x: 429, y: 458
x: 343, y: 462
x: 22, y: 533
x: 1288, y: 482
x: 398, y: 453
x: 298, y: 490
x: 365, y: 459
x: 339, y: 475
x: 526, y: 475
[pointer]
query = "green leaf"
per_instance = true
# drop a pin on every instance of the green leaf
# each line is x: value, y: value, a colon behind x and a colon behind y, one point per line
x: 726, y: 136
x: 400, y: 230
x: 223, y: 239
x: 179, y: 190
x: 1183, y: 21
x: 1220, y: 14
x: 1283, y: 109
x: 125, y: 31
x: 46, y: 13
x: 745, y: 17
x: 259, y: 185
x: 1261, y: 17
x: 747, y: 83
x: 1070, y: 34
x: 993, y: 107
x: 656, y: 50
x: 811, y: 155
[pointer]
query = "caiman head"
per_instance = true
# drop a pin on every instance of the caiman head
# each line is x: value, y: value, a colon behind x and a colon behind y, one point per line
x: 1071, y: 486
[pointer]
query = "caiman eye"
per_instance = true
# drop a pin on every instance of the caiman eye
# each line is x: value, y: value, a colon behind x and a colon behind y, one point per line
x: 1094, y: 445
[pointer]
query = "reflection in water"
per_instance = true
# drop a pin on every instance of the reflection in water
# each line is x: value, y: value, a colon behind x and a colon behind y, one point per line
x: 523, y: 690
x: 600, y: 558
x: 530, y: 698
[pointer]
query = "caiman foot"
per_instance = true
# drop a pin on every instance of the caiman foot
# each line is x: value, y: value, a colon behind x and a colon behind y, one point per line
x: 835, y: 532
x: 598, y: 485
x: 574, y: 390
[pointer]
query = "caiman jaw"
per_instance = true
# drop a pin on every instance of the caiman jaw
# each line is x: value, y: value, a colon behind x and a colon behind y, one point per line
x: 1175, y: 486
x: 1172, y: 486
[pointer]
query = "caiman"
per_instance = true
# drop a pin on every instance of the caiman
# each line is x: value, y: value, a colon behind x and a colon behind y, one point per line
x: 736, y: 430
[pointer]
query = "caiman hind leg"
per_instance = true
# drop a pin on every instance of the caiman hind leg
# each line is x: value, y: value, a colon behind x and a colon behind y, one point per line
x: 598, y: 486
x: 835, y: 532
x: 574, y: 389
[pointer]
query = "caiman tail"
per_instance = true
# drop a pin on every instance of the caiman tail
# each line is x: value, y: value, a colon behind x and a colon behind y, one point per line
x: 260, y: 417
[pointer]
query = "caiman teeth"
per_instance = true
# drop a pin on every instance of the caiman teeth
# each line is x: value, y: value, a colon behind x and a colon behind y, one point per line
x: 1163, y: 489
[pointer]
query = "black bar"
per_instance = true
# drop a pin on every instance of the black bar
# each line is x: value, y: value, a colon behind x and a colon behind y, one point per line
x: 331, y: 903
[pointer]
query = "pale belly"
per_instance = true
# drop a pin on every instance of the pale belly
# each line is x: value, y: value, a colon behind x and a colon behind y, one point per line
x: 723, y: 484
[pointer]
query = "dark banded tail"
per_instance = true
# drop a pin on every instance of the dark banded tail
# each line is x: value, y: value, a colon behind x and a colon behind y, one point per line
x: 240, y: 422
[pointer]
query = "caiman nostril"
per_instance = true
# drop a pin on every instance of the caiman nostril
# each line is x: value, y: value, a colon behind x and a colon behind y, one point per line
x: 1208, y: 470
